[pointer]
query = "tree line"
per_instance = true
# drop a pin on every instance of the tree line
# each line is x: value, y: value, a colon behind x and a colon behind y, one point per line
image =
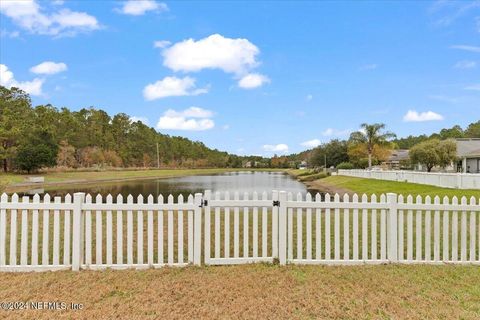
x: 45, y: 136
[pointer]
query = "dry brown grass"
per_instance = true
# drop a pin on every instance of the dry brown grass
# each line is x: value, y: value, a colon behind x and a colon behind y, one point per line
x: 253, y: 291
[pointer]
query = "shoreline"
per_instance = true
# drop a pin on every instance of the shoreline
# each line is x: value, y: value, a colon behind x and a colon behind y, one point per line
x: 25, y: 186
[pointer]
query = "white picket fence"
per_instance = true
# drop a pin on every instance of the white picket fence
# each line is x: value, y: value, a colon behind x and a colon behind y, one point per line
x: 87, y: 233
x: 439, y: 179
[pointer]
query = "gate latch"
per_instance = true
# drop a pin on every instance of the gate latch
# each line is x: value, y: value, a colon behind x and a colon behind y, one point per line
x: 276, y: 203
x: 204, y: 203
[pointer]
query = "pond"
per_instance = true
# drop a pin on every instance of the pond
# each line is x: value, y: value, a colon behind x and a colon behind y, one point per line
x: 243, y: 181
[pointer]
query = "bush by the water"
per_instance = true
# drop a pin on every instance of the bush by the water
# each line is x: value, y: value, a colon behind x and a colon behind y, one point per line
x: 345, y: 165
x: 313, y: 177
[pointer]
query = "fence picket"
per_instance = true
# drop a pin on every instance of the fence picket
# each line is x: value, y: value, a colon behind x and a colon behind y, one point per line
x: 373, y: 223
x: 255, y: 227
x: 290, y: 229
x: 473, y: 223
x: 34, y: 257
x: 299, y: 229
x: 45, y: 232
x: 140, y: 231
x: 428, y: 229
x: 445, y: 230
x: 150, y: 253
x: 336, y: 232
x: 160, y: 243
x: 355, y: 228
x: 130, y: 231
x: 67, y: 232
x: 455, y: 231
x: 346, y: 229
x: 364, y: 229
x: 418, y: 227
x: 170, y: 257
x: 265, y: 227
x: 88, y: 232
x: 119, y: 231
x: 56, y: 233
x: 227, y: 228
x: 98, y: 233
x: 436, y: 232
x: 217, y: 227
x: 3, y: 230
x: 318, y: 229
x: 245, y: 228
x: 401, y: 228
x: 24, y: 235
x: 180, y: 231
x: 463, y: 233
x: 109, y: 232
x: 328, y: 249
x: 308, y: 198
x: 236, y: 228
x: 383, y: 229
x: 410, y: 230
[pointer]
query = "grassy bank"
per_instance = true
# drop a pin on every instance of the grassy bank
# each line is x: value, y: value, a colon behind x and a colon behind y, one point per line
x: 371, y: 186
x: 11, y: 180
x: 253, y: 291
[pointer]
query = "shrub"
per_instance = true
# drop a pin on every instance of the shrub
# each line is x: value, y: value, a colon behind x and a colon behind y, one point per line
x: 345, y: 165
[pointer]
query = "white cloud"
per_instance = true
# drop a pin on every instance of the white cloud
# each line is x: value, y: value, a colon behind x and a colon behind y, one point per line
x: 475, y: 87
x: 7, y: 79
x: 253, y: 80
x: 49, y: 67
x: 236, y: 56
x: 28, y: 15
x: 330, y: 132
x: 226, y: 127
x: 9, y: 34
x: 143, y: 120
x: 140, y: 7
x: 161, y: 44
x: 371, y: 66
x: 309, y: 97
x: 465, y: 64
x: 311, y: 143
x: 414, y: 116
x: 172, y: 86
x: 192, y: 119
x: 276, y: 147
x: 466, y: 48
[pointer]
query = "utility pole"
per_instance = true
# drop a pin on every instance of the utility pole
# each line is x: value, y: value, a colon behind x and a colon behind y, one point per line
x: 158, y: 158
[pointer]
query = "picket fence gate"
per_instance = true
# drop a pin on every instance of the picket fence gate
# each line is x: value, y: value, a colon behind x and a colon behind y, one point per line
x: 222, y: 228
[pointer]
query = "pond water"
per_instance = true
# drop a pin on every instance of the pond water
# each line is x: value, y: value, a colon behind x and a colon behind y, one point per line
x: 243, y: 181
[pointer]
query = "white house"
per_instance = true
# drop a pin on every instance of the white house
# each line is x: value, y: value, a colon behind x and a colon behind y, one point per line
x: 468, y: 151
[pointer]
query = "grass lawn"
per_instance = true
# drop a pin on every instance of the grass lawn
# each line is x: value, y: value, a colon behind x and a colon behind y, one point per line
x: 372, y: 186
x: 253, y: 291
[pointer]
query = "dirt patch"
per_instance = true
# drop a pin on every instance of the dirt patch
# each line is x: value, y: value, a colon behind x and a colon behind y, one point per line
x: 320, y: 186
x: 252, y: 291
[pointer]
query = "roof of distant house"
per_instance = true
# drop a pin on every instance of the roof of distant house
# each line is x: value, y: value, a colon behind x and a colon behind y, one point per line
x: 468, y: 147
x: 398, y: 155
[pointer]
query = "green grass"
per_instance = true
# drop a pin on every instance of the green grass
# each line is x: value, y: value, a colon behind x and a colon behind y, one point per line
x: 371, y: 186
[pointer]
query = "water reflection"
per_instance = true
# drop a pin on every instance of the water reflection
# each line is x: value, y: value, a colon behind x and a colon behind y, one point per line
x: 244, y: 181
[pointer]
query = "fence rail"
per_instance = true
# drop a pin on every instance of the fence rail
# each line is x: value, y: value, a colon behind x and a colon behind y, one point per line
x: 439, y: 179
x: 82, y: 232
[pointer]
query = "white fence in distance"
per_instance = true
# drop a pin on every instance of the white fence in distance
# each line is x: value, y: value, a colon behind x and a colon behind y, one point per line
x: 439, y: 179
x: 97, y: 233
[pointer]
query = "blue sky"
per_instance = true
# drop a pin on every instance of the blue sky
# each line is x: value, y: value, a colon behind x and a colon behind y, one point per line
x: 251, y: 77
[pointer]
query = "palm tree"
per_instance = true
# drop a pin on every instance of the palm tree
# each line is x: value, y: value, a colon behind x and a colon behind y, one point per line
x: 371, y: 135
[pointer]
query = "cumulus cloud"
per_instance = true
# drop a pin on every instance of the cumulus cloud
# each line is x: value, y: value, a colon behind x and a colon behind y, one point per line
x: 143, y: 120
x: 414, y: 116
x: 7, y: 80
x: 161, y: 44
x: 330, y: 132
x: 466, y: 48
x: 192, y: 119
x: 252, y: 81
x: 309, y: 97
x: 49, y: 67
x: 30, y: 16
x: 465, y: 64
x: 283, y: 148
x: 475, y: 87
x: 236, y: 56
x: 311, y: 143
x: 171, y: 87
x: 140, y: 7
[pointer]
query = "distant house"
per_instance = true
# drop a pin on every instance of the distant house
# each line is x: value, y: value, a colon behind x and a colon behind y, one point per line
x: 468, y: 152
x: 303, y: 165
x: 396, y: 159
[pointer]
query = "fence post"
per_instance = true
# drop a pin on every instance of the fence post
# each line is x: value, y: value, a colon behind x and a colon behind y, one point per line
x: 275, y: 225
x: 206, y: 206
x: 78, y: 199
x: 282, y: 228
x: 197, y: 230
x: 392, y: 235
